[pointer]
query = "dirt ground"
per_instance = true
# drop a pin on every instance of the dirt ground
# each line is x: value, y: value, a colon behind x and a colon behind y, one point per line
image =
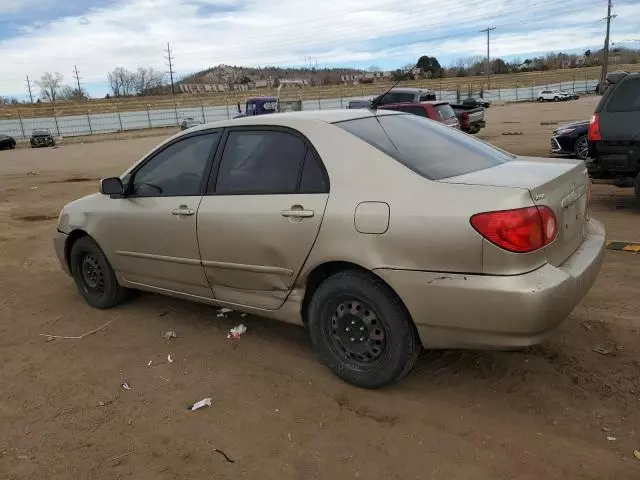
x: 543, y: 413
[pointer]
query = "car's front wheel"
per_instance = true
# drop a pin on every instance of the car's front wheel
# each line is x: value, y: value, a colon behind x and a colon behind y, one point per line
x: 361, y: 330
x: 94, y: 277
x: 540, y: 99
x: 556, y: 99
x: 581, y: 148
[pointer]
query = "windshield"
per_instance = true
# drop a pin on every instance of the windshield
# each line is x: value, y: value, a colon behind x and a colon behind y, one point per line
x: 445, y: 112
x: 430, y: 149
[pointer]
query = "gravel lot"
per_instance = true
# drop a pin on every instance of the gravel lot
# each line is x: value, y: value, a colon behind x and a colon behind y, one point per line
x: 544, y: 413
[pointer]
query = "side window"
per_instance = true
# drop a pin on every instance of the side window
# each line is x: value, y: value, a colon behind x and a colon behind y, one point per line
x: 626, y: 98
x: 313, y: 177
x: 390, y: 98
x: 176, y: 171
x: 413, y: 109
x: 260, y: 162
x: 406, y: 97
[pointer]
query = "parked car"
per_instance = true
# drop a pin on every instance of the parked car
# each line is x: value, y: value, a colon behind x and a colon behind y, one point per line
x: 553, y: 95
x: 614, y: 132
x: 267, y: 105
x: 570, y: 95
x: 571, y: 139
x: 189, y: 122
x: 7, y: 142
x: 396, y: 95
x: 41, y: 137
x: 451, y: 243
x: 471, y: 117
x: 472, y: 102
x: 435, y: 110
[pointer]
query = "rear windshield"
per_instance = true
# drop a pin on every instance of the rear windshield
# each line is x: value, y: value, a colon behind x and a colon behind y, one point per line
x: 445, y: 112
x: 626, y: 98
x: 428, y: 148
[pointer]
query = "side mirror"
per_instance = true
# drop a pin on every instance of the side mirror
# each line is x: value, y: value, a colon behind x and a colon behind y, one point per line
x: 111, y: 186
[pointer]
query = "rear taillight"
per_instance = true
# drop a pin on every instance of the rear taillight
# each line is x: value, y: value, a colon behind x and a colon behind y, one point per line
x: 522, y: 230
x: 464, y: 120
x: 593, y: 134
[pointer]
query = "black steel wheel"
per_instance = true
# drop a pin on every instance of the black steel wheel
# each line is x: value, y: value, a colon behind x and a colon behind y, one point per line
x: 581, y: 147
x: 361, y: 330
x: 94, y: 277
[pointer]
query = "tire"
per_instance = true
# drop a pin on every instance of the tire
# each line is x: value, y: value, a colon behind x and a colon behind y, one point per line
x: 556, y: 99
x: 12, y: 146
x: 94, y: 277
x: 581, y: 148
x: 540, y: 99
x: 362, y: 302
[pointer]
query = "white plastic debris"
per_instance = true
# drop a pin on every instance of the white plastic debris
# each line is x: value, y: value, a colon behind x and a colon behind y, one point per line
x: 205, y: 402
x: 237, y: 331
x: 222, y: 312
x: 33, y: 188
x: 169, y: 334
x: 150, y: 362
x: 243, y: 315
x: 169, y: 359
x: 612, y: 439
x: 126, y: 386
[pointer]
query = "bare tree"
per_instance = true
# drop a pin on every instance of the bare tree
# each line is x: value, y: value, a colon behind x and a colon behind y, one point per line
x: 50, y: 85
x: 122, y: 82
x: 68, y: 93
x: 147, y: 80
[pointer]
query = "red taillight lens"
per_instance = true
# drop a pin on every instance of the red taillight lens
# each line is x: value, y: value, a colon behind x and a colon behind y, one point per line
x: 593, y: 134
x: 522, y: 230
x: 464, y: 120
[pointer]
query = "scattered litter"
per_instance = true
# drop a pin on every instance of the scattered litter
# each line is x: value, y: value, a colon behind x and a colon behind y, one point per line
x: 601, y: 351
x: 164, y: 313
x: 636, y: 453
x: 237, y: 331
x: 512, y: 133
x: 101, y: 403
x: 81, y: 336
x: 587, y: 326
x: 169, y: 359
x: 226, y: 457
x: 165, y: 379
x: 243, y: 315
x: 169, y: 334
x: 33, y: 188
x: 277, y: 410
x: 33, y: 172
x: 606, y: 429
x: 150, y: 362
x: 289, y: 437
x: 22, y: 457
x: 126, y: 386
x: 205, y: 402
x: 612, y: 439
x: 50, y: 339
x: 222, y: 312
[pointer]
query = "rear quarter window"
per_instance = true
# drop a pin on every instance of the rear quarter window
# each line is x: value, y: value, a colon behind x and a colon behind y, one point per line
x: 626, y: 98
x: 430, y: 149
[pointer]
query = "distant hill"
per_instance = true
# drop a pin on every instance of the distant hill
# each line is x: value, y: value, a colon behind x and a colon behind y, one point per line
x: 231, y: 74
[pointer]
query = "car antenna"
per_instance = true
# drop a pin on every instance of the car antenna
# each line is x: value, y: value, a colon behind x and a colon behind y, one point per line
x: 379, y: 98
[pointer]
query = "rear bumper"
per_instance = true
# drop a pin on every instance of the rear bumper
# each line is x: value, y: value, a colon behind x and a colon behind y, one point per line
x: 486, y: 311
x: 59, y: 243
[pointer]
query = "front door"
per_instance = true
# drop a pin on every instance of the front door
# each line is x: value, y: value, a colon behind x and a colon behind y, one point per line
x: 150, y: 234
x: 261, y: 215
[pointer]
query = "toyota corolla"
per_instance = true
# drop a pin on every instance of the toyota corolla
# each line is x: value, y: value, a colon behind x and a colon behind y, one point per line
x: 381, y: 232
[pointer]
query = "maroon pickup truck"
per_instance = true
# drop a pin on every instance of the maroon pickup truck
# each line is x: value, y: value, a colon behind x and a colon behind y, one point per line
x: 434, y: 110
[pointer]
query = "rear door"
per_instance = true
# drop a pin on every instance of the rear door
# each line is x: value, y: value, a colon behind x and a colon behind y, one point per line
x: 261, y: 215
x: 620, y: 112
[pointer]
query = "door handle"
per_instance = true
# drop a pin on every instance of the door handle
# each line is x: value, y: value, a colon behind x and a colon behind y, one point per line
x: 297, y: 211
x: 182, y: 211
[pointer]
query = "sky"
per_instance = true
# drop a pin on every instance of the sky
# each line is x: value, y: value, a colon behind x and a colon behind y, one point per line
x: 38, y: 36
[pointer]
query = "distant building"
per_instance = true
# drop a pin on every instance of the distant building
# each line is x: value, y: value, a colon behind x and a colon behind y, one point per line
x: 365, y: 77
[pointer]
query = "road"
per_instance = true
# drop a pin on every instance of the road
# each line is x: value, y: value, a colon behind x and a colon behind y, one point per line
x: 543, y: 413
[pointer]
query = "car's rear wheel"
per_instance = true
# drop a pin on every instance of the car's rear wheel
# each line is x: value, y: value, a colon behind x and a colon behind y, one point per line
x: 361, y: 330
x: 94, y: 276
x: 581, y: 148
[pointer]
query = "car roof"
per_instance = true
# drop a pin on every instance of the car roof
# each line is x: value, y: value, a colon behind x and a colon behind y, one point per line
x: 410, y: 90
x: 291, y: 118
x: 435, y: 103
x: 265, y: 98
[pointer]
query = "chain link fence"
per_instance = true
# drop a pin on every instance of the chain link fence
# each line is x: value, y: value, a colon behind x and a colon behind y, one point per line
x: 98, y: 117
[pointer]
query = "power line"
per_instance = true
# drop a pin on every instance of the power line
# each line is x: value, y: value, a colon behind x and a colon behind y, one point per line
x: 605, y: 59
x: 170, y: 61
x: 488, y: 30
x: 29, y: 89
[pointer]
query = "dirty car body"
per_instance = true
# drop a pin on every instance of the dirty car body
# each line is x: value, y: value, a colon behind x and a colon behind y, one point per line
x: 382, y: 232
x: 41, y: 137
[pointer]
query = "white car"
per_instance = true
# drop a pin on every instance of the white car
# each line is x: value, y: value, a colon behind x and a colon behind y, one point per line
x: 553, y: 95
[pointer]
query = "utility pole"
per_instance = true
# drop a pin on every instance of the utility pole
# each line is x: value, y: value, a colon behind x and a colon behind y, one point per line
x: 488, y: 30
x: 170, y: 62
x: 29, y: 88
x: 77, y: 75
x: 605, y: 56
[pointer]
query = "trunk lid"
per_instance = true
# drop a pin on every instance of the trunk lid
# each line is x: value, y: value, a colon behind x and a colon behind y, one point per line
x: 560, y: 185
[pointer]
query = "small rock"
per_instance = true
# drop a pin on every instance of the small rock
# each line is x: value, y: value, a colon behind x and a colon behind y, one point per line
x: 636, y: 453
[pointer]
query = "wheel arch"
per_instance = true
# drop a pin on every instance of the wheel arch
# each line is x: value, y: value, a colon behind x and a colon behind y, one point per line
x: 327, y: 269
x: 73, y: 237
